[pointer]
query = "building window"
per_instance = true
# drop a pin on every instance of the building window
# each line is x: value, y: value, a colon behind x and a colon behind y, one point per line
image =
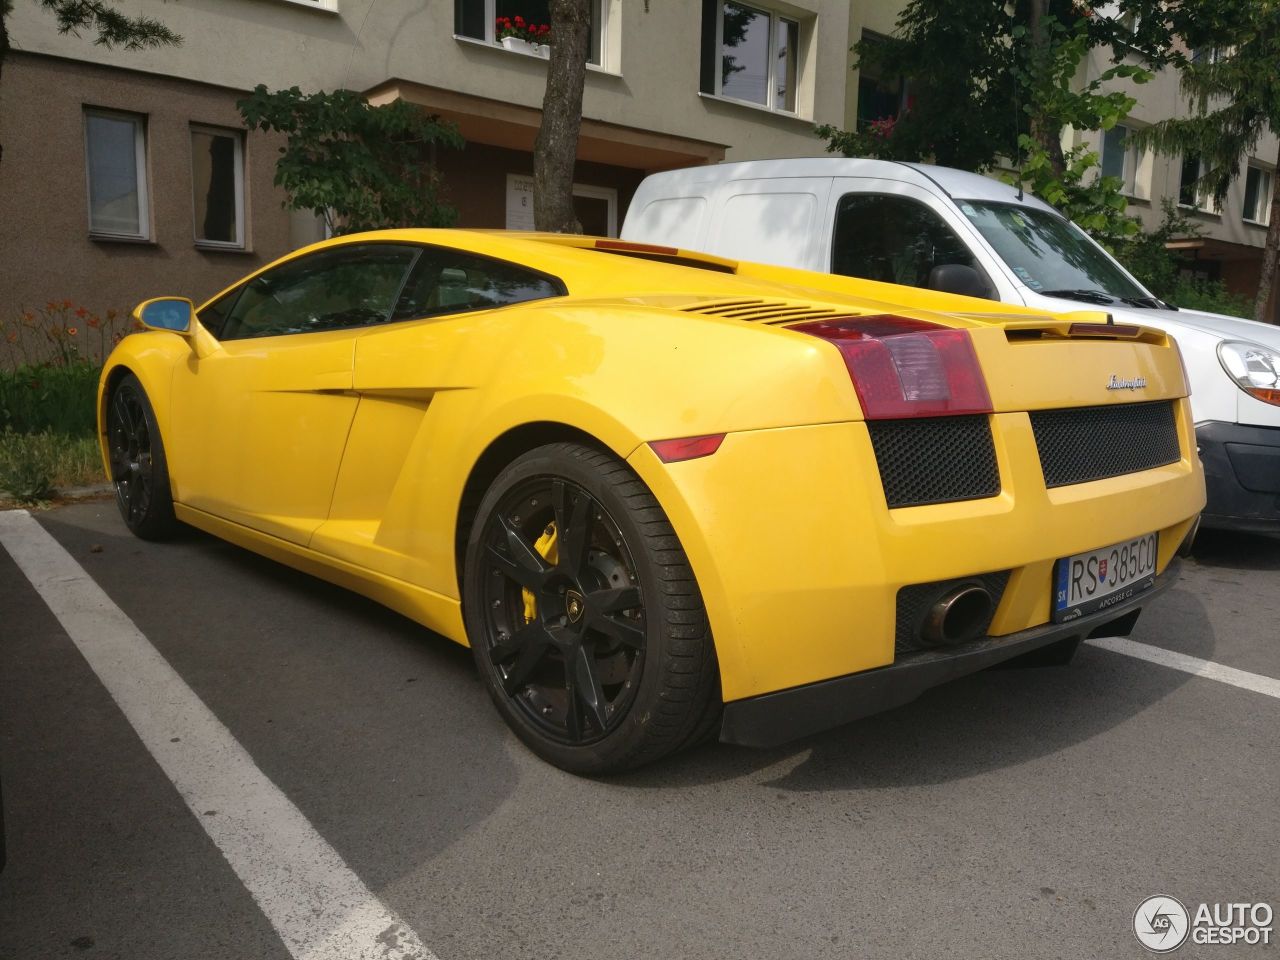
x: 1191, y: 192
x: 1257, y: 195
x: 476, y: 19
x: 116, y: 167
x: 882, y: 98
x: 1120, y: 158
x: 217, y: 186
x: 753, y: 55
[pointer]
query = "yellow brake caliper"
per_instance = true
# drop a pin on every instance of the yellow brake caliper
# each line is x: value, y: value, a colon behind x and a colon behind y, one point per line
x: 546, y: 547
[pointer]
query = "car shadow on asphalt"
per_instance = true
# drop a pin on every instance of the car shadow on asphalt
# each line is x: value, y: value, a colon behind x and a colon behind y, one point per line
x: 361, y: 716
x: 988, y: 721
x: 1236, y: 551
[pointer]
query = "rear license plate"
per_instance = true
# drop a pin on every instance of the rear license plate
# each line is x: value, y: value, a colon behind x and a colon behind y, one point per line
x: 1093, y: 581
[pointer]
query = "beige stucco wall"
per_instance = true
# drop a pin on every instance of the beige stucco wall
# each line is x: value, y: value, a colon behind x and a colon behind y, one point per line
x: 650, y: 79
x: 45, y: 249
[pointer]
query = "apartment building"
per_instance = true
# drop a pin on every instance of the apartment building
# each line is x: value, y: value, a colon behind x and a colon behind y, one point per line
x: 1231, y: 233
x: 128, y: 174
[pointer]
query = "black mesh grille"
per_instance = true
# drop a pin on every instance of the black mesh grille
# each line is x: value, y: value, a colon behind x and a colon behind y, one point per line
x: 935, y: 460
x: 1091, y: 443
x: 914, y: 603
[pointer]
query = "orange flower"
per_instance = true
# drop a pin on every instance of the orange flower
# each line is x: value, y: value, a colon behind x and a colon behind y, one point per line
x: 50, y: 305
x: 13, y: 338
x: 94, y: 323
x: 67, y: 304
x: 72, y: 331
x: 81, y: 312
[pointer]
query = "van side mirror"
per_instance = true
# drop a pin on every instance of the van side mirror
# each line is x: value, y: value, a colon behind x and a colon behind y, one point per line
x: 173, y: 314
x: 960, y: 279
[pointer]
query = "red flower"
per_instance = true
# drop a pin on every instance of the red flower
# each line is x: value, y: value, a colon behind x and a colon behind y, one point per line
x: 72, y: 331
x: 94, y: 323
x: 67, y: 304
x: 50, y: 305
x: 81, y: 312
x: 519, y: 20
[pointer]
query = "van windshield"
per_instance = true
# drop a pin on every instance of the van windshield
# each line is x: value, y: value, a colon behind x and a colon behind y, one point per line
x: 1048, y: 253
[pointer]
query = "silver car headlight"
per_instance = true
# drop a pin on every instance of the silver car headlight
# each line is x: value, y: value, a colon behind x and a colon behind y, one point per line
x: 1254, y: 368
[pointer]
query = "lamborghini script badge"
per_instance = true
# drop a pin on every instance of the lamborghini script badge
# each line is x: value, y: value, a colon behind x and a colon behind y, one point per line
x: 1119, y: 383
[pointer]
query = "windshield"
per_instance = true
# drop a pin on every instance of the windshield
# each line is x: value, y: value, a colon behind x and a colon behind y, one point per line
x: 1046, y: 252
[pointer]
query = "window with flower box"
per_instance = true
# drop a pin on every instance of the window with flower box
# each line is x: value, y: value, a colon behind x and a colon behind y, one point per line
x: 522, y: 19
x: 750, y: 54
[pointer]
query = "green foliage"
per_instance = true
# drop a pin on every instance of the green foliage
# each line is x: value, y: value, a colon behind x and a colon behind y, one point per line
x: 34, y: 466
x: 50, y: 396
x: 359, y: 166
x: 1094, y: 202
x: 1159, y: 269
x: 110, y: 27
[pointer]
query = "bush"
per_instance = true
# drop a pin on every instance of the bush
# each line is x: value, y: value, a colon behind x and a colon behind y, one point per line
x: 34, y: 465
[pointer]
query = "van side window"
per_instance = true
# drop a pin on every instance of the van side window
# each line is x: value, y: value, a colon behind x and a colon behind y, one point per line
x: 893, y: 240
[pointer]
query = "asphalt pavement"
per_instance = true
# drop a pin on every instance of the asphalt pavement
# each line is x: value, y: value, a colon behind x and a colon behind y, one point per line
x: 1014, y: 813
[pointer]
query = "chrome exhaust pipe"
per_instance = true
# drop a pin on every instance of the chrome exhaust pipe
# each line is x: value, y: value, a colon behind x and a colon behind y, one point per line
x: 960, y: 615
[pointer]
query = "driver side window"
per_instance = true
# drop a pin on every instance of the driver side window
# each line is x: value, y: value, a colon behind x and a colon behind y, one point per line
x: 893, y: 240
x: 334, y: 289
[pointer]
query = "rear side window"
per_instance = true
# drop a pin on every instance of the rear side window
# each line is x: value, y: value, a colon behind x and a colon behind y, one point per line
x: 450, y: 281
x: 893, y: 240
x: 334, y: 289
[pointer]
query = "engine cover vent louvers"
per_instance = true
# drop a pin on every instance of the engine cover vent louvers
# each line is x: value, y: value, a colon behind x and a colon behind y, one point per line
x: 1093, y: 443
x: 760, y: 311
x: 935, y: 459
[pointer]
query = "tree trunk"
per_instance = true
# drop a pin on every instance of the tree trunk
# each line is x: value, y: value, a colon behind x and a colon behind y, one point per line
x: 1046, y: 131
x: 556, y: 147
x: 1270, y: 254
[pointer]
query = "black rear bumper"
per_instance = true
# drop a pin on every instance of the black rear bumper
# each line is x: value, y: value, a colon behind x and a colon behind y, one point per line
x: 776, y: 718
x: 1241, y: 475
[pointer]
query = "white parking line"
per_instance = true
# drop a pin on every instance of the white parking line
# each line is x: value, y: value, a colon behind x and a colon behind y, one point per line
x: 318, y: 906
x: 1201, y: 668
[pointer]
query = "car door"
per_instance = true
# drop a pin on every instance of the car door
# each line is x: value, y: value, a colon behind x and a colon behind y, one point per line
x: 261, y: 421
x: 896, y: 232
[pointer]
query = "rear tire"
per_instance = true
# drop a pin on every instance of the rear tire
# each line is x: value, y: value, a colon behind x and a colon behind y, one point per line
x: 139, y: 470
x: 596, y: 651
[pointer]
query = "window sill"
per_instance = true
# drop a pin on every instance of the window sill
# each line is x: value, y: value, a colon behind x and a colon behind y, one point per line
x: 116, y: 238
x: 1201, y: 211
x: 748, y: 105
x: 323, y: 6
x: 205, y: 246
x: 1254, y: 223
x: 485, y: 44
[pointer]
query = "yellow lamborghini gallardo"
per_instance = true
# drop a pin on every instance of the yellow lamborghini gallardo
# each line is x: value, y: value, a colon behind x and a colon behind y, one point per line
x: 663, y: 495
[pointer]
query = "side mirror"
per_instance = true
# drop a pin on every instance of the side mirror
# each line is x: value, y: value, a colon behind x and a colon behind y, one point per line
x: 960, y: 279
x: 173, y: 314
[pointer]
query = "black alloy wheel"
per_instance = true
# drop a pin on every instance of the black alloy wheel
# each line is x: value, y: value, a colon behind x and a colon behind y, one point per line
x: 571, y: 620
x: 139, y: 470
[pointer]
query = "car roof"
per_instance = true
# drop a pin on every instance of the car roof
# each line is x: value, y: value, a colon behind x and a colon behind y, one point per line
x: 958, y: 184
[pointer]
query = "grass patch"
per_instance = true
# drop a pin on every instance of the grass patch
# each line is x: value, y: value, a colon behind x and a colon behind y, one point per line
x: 50, y: 397
x: 34, y: 466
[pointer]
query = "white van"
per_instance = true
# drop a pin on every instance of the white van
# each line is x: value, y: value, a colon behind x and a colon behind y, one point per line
x: 945, y: 229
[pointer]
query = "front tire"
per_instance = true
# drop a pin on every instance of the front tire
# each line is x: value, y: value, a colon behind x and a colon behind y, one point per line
x: 139, y: 470
x: 584, y: 616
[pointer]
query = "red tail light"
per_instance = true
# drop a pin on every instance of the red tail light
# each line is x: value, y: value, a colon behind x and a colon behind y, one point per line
x: 907, y: 368
x: 687, y: 448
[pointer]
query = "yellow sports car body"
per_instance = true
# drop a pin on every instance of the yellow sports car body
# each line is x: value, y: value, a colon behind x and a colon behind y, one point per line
x: 661, y: 494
